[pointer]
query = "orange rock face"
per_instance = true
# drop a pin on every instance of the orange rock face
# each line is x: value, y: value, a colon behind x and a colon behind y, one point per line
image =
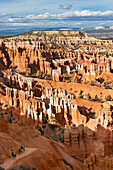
x: 69, y: 89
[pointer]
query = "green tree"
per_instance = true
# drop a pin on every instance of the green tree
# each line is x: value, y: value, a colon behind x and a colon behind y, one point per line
x: 89, y: 96
x: 10, y: 120
x: 81, y: 92
x: 108, y: 98
x: 96, y: 98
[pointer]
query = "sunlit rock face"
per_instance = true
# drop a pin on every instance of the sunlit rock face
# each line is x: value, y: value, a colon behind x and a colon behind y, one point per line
x: 58, y: 83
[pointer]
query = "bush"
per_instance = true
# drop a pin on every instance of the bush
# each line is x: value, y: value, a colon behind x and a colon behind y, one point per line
x: 10, y: 120
x: 45, y: 121
x: 69, y: 81
x: 89, y: 96
x: 81, y: 92
x: 40, y: 129
x: 79, y: 81
x: 7, y: 83
x: 81, y: 96
x: 96, y: 98
x: 43, y: 126
x: 2, y: 115
x: 1, y: 168
x: 21, y: 167
x: 49, y: 77
x: 108, y: 98
x: 92, y: 83
x: 52, y: 126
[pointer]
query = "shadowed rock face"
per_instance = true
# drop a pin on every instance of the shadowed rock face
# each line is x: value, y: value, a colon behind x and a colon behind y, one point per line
x: 49, y: 153
x: 29, y: 57
x: 96, y: 163
x: 65, y: 89
x: 80, y: 142
x: 106, y: 137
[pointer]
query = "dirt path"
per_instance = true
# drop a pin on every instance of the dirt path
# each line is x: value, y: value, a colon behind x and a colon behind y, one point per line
x: 10, y: 162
